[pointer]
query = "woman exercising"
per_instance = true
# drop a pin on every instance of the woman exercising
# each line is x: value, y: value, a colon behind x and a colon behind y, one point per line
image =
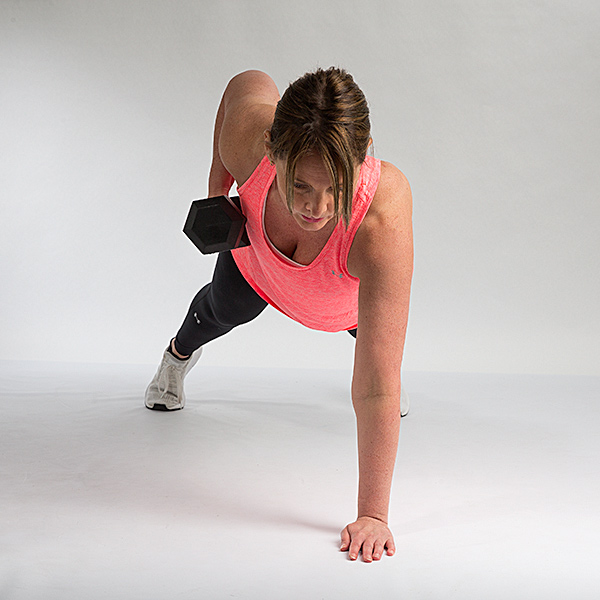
x: 331, y: 247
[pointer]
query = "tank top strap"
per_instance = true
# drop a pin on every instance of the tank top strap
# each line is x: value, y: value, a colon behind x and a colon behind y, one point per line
x: 370, y: 173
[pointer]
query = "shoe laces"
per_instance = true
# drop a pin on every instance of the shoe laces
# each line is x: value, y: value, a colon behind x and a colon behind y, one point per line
x: 169, y: 382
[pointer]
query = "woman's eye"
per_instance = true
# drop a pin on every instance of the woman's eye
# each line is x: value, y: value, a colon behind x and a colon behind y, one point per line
x: 299, y: 186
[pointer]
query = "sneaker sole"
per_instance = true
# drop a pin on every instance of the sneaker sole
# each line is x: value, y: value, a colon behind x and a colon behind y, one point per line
x: 163, y: 408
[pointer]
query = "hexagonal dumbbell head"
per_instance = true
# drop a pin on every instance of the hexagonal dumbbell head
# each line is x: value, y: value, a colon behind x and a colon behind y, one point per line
x: 216, y: 224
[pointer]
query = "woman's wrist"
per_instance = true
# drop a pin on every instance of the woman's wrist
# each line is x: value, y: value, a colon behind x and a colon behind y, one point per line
x: 382, y: 518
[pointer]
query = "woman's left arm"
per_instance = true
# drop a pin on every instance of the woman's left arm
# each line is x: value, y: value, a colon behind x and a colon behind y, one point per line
x: 382, y: 258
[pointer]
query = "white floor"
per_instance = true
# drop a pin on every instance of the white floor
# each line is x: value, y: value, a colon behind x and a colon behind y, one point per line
x: 243, y: 493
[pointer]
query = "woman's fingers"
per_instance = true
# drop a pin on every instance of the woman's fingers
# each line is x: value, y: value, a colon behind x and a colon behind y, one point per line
x: 367, y: 550
x: 345, y: 540
x: 391, y: 547
x: 369, y: 536
x: 378, y: 550
x: 355, y: 547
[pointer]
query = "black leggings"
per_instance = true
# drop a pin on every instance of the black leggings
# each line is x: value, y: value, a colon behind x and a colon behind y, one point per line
x: 225, y: 303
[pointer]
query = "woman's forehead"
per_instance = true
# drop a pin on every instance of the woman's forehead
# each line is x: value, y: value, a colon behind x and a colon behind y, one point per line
x: 312, y: 166
x: 311, y: 163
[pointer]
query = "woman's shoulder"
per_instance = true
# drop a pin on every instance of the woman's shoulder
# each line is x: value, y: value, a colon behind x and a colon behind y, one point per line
x: 386, y: 229
x: 393, y: 186
x: 249, y: 104
x: 392, y: 199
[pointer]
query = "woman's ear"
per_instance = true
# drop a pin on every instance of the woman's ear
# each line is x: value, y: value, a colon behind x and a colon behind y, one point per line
x: 267, y: 142
x: 370, y: 147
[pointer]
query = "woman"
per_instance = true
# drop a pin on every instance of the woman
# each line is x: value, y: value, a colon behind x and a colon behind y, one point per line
x: 331, y: 247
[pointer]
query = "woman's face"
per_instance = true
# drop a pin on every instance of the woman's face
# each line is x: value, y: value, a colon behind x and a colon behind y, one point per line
x: 314, y: 205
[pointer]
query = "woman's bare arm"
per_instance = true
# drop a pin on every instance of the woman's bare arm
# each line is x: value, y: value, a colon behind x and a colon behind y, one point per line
x: 382, y: 257
x: 245, y: 112
x: 220, y: 179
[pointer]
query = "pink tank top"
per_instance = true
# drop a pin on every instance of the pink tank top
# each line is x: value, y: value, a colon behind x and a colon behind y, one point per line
x: 321, y: 295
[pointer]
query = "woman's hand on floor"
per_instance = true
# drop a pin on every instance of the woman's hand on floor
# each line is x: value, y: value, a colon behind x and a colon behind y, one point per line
x: 370, y: 535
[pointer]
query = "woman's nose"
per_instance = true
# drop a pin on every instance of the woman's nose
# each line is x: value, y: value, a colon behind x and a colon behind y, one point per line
x: 318, y: 205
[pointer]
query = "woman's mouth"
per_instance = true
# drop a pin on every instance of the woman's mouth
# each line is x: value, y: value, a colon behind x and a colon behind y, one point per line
x: 311, y: 220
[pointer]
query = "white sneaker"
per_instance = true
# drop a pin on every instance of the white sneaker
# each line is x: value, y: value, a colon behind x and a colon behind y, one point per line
x: 404, y: 402
x: 165, y: 391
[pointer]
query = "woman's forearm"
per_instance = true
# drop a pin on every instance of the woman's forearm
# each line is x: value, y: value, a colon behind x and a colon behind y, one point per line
x: 219, y: 179
x: 378, y: 427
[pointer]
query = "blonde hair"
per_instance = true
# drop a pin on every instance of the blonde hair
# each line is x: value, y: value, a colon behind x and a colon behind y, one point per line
x: 327, y: 113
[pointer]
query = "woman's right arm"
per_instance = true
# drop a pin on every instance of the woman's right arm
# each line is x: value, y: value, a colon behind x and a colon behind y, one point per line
x: 245, y: 112
x: 220, y: 179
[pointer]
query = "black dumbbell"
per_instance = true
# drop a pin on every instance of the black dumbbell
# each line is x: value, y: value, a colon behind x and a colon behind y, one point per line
x: 216, y: 224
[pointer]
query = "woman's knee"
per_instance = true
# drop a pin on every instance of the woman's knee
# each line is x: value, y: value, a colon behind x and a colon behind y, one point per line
x: 233, y: 301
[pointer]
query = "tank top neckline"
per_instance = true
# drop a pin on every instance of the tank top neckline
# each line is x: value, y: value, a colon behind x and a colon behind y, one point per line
x: 290, y: 261
x: 335, y: 232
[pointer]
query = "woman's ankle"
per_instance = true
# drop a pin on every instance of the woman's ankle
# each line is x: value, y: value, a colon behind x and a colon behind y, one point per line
x: 175, y: 353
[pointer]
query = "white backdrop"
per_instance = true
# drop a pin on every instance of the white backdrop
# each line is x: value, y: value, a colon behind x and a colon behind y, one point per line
x: 490, y: 108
